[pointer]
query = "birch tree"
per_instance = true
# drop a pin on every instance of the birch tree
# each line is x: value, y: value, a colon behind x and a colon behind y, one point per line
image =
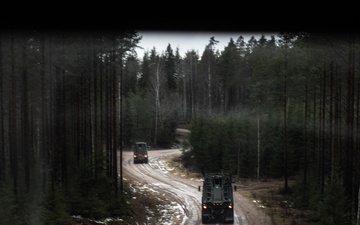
x: 157, y: 81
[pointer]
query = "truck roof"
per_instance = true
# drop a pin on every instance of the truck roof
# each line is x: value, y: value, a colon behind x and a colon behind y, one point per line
x: 217, y: 188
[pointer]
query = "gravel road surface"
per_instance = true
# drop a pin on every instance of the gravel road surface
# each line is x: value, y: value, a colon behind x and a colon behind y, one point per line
x: 157, y: 176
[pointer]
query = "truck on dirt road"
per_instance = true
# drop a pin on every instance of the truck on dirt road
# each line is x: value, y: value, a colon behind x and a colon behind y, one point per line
x: 217, y: 205
x: 141, y: 152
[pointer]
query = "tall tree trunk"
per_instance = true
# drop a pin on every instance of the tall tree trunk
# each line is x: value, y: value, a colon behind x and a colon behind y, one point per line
x: 192, y: 94
x: 305, y: 128
x: 107, y: 117
x: 102, y: 112
x: 337, y: 128
x: 314, y: 107
x: 121, y: 123
x: 13, y: 124
x: 331, y: 121
x: 95, y: 134
x: 50, y: 148
x: 258, y: 147
x: 2, y: 119
x: 26, y: 147
x: 64, y: 149
x: 358, y: 209
x: 43, y: 133
x: 185, y: 96
x: 323, y: 134
x: 157, y: 101
x: 285, y: 108
x: 196, y: 97
x: 114, y: 119
x: 209, y: 88
x: 357, y: 142
x: 350, y: 127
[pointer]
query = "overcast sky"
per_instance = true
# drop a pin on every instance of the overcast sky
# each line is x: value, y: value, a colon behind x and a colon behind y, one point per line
x: 189, y: 40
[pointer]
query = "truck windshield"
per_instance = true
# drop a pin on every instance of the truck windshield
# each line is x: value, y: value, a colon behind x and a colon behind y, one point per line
x: 140, y: 148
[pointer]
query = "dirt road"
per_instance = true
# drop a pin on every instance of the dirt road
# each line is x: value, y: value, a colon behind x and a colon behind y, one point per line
x: 156, y: 175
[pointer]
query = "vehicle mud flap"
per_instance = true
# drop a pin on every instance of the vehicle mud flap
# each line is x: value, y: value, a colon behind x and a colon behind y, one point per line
x: 229, y: 216
x: 229, y: 220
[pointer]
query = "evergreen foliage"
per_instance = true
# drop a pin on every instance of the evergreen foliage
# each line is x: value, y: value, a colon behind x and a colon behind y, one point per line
x: 334, y: 207
x: 57, y: 211
x: 139, y: 118
x: 8, y: 207
x: 287, y: 107
x: 170, y: 68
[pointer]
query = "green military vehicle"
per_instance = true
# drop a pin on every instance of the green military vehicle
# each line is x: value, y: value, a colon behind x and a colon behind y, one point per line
x: 217, y: 204
x: 140, y: 153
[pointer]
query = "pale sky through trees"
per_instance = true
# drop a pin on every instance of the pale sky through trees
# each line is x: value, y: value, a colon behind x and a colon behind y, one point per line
x: 189, y: 40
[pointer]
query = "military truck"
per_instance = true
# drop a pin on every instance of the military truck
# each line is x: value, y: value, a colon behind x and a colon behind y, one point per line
x: 140, y: 153
x: 217, y: 204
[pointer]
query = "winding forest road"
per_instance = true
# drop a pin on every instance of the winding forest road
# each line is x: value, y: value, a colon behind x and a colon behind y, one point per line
x: 185, y: 190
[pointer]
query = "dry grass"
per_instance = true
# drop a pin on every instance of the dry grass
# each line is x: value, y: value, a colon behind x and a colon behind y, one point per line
x: 174, y: 161
x: 278, y: 206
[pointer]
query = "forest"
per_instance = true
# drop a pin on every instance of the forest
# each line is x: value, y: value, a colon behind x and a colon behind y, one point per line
x: 286, y: 107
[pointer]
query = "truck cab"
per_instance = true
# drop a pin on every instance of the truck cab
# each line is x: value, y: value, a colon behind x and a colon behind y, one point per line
x: 140, y: 153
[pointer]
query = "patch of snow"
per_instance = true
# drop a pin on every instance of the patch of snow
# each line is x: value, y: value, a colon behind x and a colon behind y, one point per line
x: 105, y: 221
x: 172, y: 213
x: 258, y: 204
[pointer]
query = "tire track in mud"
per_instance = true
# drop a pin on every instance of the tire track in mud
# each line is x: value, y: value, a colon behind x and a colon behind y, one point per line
x: 185, y: 191
x: 162, y: 187
x: 155, y: 175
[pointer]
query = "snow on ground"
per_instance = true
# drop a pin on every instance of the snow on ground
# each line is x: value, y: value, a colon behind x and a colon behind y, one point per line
x: 171, y: 213
x: 105, y: 221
